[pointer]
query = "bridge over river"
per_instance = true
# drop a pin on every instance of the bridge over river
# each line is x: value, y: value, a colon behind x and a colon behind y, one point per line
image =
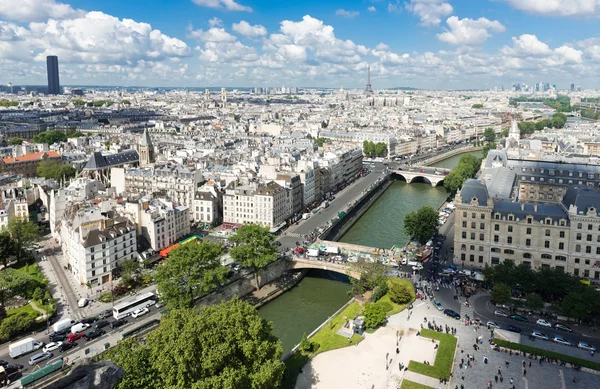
x: 429, y: 174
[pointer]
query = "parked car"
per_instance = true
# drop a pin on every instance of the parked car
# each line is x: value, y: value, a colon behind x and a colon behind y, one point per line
x: 139, y: 312
x: 37, y: 358
x: 74, y: 337
x: 539, y: 335
x: 519, y: 318
x: 499, y: 312
x: 560, y: 340
x: 543, y: 323
x: 101, y: 324
x: 452, y: 313
x: 586, y: 346
x: 56, y: 337
x: 438, y: 305
x: 118, y: 323
x: 514, y: 329
x: 562, y: 327
x: 94, y: 334
x: 67, y: 346
x: 51, y: 346
x: 417, y: 267
x: 12, y: 369
x: 88, y: 320
x: 493, y: 324
x: 105, y: 314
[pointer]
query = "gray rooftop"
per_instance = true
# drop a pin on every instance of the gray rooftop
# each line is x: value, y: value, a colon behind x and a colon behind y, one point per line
x: 474, y: 189
x: 539, y: 212
x: 583, y: 197
x: 98, y: 161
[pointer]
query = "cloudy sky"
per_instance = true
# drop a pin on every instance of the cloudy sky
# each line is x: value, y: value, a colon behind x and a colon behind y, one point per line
x: 438, y: 44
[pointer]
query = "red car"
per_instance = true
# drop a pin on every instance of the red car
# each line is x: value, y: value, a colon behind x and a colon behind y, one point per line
x: 74, y: 337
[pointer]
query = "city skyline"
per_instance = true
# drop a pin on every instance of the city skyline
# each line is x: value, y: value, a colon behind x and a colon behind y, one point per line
x: 425, y: 44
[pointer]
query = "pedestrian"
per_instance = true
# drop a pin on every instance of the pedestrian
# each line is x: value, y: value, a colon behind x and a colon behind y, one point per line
x: 496, y: 378
x: 529, y: 363
x: 524, y: 372
x: 499, y: 373
x: 501, y: 379
x: 511, y: 381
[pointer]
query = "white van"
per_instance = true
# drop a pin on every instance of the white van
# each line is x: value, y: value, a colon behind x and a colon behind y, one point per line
x: 82, y: 303
x: 413, y: 263
x: 79, y: 327
x: 63, y: 324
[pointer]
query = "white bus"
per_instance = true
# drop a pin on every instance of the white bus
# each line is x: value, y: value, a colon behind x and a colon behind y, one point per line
x: 125, y: 308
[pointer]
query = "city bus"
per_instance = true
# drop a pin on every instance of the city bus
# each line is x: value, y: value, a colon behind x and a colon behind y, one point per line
x: 125, y: 308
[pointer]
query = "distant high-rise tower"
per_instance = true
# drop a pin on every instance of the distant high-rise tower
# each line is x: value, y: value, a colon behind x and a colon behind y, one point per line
x: 368, y: 87
x: 52, y: 67
x: 572, y: 87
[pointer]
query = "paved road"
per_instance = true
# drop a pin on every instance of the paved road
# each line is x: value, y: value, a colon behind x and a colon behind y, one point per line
x: 342, y: 199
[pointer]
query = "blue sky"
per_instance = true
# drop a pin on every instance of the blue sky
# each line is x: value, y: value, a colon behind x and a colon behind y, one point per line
x: 438, y: 44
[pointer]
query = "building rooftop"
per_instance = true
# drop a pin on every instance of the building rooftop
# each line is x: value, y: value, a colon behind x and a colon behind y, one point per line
x: 582, y: 197
x: 33, y: 157
x: 98, y: 161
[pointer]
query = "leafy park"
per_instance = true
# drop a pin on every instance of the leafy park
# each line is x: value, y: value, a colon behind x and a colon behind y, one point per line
x: 442, y: 367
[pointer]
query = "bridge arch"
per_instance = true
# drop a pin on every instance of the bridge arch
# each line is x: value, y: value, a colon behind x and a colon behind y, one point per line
x: 422, y: 179
x: 299, y: 263
x: 399, y: 177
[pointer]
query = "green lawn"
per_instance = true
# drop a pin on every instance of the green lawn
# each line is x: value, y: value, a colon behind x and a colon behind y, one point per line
x: 386, y: 298
x: 25, y: 308
x: 442, y: 367
x: 546, y: 353
x: 406, y: 384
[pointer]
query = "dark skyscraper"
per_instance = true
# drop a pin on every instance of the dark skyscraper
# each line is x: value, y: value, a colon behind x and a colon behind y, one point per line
x: 572, y: 87
x: 368, y: 87
x: 53, y: 83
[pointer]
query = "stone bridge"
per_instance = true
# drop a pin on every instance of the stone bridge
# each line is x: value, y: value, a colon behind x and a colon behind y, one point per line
x: 432, y: 175
x: 300, y: 263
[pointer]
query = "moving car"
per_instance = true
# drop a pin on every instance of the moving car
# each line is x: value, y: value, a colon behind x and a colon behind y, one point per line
x: 586, y: 346
x: 118, y: 323
x: 518, y: 318
x: 543, y: 323
x: 82, y: 303
x: 67, y: 346
x: 139, y: 312
x: 560, y: 340
x: 57, y: 336
x: 51, y: 346
x: 499, y: 312
x: 493, y: 324
x: 37, y: 358
x: 74, y: 337
x: 562, y: 327
x: 417, y: 267
x: 94, y: 334
x: 539, y: 335
x: 452, y: 313
x: 105, y: 314
x: 438, y: 305
x: 88, y: 320
x: 101, y: 324
x: 79, y: 327
x: 514, y: 329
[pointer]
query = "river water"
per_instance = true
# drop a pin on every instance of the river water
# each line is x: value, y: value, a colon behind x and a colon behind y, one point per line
x: 306, y: 306
x: 321, y: 293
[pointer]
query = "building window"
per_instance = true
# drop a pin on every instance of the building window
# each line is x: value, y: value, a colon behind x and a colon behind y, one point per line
x: 464, y: 235
x: 578, y: 248
x: 464, y: 214
x: 528, y: 220
x: 496, y: 239
x: 547, y: 244
x: 482, y: 216
x: 481, y: 226
x: 510, y: 228
x: 473, y: 225
x: 463, y: 256
x: 528, y: 231
x: 509, y: 252
x: 497, y: 227
x: 578, y: 236
x: 472, y: 236
x: 495, y: 250
x: 576, y: 260
x: 561, y: 246
x: 590, y: 227
x: 589, y: 238
x: 495, y: 261
x: 576, y: 272
x: 480, y: 259
x: 561, y: 234
x: 547, y: 233
x: 509, y: 240
x: 527, y: 255
x: 464, y: 224
x: 497, y: 216
x: 546, y: 256
x: 563, y: 258
x: 579, y: 226
x: 588, y: 249
x: 481, y: 237
x: 471, y: 258
x: 473, y: 215
x: 527, y: 242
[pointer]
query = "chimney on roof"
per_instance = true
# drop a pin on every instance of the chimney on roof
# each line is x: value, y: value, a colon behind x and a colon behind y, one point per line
x: 522, y: 206
x: 535, y: 207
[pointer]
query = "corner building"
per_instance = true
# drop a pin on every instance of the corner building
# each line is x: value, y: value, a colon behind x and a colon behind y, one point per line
x: 563, y: 235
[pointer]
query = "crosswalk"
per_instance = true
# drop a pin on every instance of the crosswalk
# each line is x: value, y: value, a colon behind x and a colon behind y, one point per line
x: 435, y: 284
x: 467, y: 311
x: 294, y: 234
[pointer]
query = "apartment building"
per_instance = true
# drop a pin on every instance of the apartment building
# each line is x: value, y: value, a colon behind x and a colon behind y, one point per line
x: 268, y: 204
x: 160, y: 221
x: 564, y: 235
x: 26, y: 165
x: 207, y: 206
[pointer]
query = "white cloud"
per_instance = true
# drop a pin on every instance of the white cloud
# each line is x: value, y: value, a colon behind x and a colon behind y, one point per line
x: 591, y: 48
x: 246, y: 29
x: 229, y: 5
x: 215, y: 22
x: 36, y: 10
x: 347, y: 14
x: 469, y: 32
x: 371, y: 9
x: 527, y: 45
x: 430, y: 12
x: 576, y: 8
x: 394, y: 7
x: 214, y: 34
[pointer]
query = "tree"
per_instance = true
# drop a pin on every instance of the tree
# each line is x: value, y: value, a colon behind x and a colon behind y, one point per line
x: 220, y: 346
x: 535, y: 301
x: 255, y: 248
x: 55, y: 170
x: 371, y: 274
x: 190, y: 271
x: 400, y: 293
x: 135, y: 359
x: 374, y: 315
x: 477, y: 106
x: 24, y: 234
x: 422, y: 224
x: 575, y: 305
x: 127, y: 269
x: 489, y: 134
x: 15, y: 141
x: 320, y: 141
x: 14, y: 282
x: 380, y: 149
x: 50, y: 137
x: 500, y: 293
x: 467, y: 167
x: 6, y: 247
x: 14, y: 325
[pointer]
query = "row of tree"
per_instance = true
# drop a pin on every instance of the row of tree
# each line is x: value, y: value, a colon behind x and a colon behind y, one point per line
x: 56, y: 170
x: 53, y: 136
x: 561, y: 103
x: 422, y: 224
x: 590, y: 114
x: 8, y: 103
x: 371, y: 149
x: 558, y: 121
x: 467, y: 167
x: 566, y: 294
x: 193, y: 270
